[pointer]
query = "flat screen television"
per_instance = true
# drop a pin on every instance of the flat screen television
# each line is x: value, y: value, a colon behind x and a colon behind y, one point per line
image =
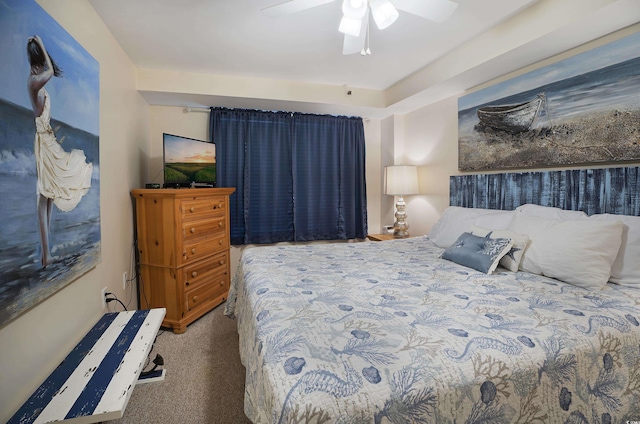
x: 188, y: 162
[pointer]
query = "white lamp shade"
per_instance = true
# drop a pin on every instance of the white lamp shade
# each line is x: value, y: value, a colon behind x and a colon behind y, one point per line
x: 400, y: 180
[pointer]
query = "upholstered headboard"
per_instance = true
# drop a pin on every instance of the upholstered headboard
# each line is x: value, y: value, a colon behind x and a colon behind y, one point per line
x: 604, y: 190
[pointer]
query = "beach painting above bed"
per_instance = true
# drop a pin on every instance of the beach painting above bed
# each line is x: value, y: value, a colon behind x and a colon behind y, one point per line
x: 49, y: 159
x: 580, y: 110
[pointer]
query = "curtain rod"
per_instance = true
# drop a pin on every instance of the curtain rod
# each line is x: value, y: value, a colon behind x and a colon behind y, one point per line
x: 196, y: 109
x: 189, y: 109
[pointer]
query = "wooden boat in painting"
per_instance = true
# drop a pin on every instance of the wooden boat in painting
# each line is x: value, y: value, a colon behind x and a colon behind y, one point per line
x: 514, y: 118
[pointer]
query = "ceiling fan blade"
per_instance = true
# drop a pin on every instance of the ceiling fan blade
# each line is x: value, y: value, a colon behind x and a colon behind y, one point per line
x: 292, y: 6
x: 434, y: 10
x: 353, y: 45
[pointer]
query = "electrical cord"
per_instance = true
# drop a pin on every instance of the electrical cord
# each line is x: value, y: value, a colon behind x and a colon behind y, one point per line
x: 136, y: 264
x: 157, y: 175
x: 157, y: 361
x: 144, y: 294
x: 113, y: 299
x: 133, y: 270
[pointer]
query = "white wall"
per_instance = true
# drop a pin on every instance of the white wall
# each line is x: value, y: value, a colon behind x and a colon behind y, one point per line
x: 387, y: 210
x: 374, y: 166
x: 431, y: 143
x: 32, y: 345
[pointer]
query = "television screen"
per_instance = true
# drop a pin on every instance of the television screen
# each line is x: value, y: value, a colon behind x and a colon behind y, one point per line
x: 188, y: 162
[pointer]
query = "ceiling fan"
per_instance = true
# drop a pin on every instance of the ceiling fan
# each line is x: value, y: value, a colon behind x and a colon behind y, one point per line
x: 355, y: 19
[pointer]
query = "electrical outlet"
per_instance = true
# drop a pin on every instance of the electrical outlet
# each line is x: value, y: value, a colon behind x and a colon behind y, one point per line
x: 125, y: 280
x: 104, y: 297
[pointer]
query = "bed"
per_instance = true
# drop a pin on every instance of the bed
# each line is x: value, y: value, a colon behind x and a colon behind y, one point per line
x: 390, y: 332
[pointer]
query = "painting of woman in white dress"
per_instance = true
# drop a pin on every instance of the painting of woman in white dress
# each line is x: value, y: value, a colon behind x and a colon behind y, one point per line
x: 63, y: 177
x: 50, y: 231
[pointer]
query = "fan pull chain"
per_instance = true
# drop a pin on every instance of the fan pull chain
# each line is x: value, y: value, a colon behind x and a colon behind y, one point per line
x: 366, y: 52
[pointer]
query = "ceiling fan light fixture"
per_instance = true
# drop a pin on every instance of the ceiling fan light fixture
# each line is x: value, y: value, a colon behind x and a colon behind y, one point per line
x: 350, y: 26
x: 384, y: 13
x: 353, y: 9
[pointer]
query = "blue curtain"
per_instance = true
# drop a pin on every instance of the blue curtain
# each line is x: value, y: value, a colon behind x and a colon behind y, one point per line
x: 298, y: 177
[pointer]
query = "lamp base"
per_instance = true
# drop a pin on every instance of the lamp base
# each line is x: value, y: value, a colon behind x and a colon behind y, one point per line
x: 401, y: 226
x: 397, y: 233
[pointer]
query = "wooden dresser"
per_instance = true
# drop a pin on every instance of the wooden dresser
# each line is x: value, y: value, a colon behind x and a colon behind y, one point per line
x: 183, y: 251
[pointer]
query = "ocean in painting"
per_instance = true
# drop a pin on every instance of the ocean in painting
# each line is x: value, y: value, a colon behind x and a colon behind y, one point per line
x: 587, y: 118
x: 604, y: 89
x: 74, y: 235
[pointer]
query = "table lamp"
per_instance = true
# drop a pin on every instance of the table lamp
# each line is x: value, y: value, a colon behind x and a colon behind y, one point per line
x: 400, y: 180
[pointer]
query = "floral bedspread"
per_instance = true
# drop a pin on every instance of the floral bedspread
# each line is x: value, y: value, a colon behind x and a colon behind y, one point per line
x: 386, y: 332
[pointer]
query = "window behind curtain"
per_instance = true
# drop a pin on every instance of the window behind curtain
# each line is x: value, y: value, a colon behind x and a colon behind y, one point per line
x: 297, y: 176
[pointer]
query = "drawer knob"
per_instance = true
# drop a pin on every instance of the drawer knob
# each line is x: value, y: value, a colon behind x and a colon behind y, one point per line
x: 193, y: 230
x: 220, y: 242
x: 195, y: 299
x: 186, y: 283
x: 191, y: 209
x: 221, y: 283
x: 221, y: 262
x: 219, y: 205
x: 194, y: 274
x: 220, y: 224
x: 193, y: 251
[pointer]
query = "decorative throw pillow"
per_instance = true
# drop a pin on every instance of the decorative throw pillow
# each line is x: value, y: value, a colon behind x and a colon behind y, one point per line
x: 578, y: 252
x: 480, y: 253
x: 455, y: 220
x: 511, y: 260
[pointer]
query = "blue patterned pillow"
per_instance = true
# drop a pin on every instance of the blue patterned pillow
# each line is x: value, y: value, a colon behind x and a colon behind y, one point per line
x: 479, y: 253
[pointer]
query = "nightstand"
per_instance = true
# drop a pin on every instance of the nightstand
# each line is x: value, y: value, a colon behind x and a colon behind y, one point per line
x: 380, y: 237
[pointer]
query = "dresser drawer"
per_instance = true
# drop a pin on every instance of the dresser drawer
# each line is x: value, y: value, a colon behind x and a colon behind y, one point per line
x: 201, y: 249
x: 200, y: 208
x: 199, y: 229
x: 214, y: 287
x: 200, y: 273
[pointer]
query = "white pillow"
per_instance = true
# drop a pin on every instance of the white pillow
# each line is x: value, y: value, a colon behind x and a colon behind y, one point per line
x: 626, y: 268
x: 550, y: 213
x: 580, y: 252
x: 512, y: 259
x: 496, y: 219
x: 456, y: 220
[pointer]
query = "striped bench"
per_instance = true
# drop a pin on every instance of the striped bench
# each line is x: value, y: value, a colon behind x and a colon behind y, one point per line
x: 95, y: 381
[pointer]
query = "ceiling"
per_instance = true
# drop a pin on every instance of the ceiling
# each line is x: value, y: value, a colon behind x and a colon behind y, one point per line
x: 234, y: 38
